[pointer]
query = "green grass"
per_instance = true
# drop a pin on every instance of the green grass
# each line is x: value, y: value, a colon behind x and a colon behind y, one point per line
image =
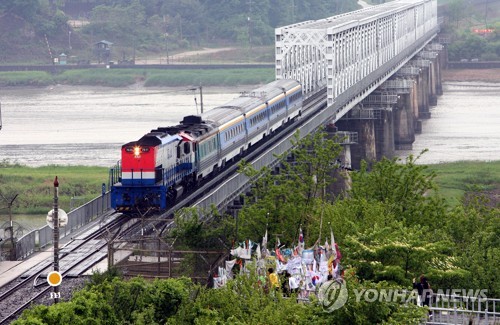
x: 151, y: 77
x: 25, y: 78
x: 456, y: 179
x: 102, y: 77
x: 35, y: 186
x: 216, y: 77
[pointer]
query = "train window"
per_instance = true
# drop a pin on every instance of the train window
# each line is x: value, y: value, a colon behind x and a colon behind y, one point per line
x: 187, y: 147
x: 178, y: 152
x: 145, y: 149
x: 129, y: 149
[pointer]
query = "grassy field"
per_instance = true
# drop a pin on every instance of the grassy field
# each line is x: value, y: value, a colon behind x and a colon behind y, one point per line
x: 35, y: 186
x: 150, y: 77
x: 456, y: 179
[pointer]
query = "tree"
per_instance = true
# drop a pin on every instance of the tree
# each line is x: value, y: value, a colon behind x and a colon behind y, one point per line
x: 22, y: 8
x: 295, y: 196
x: 397, y: 253
x: 405, y: 190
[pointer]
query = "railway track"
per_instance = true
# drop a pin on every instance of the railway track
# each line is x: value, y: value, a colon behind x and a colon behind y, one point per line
x: 79, y: 255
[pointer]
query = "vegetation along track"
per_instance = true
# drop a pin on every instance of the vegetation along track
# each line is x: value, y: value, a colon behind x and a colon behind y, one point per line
x: 79, y: 254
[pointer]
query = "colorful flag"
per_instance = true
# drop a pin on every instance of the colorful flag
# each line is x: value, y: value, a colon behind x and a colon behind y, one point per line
x: 333, y: 246
x: 301, y: 242
x: 264, y: 250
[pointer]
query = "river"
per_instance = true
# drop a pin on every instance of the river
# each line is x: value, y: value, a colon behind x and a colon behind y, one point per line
x: 66, y: 125
x: 87, y: 126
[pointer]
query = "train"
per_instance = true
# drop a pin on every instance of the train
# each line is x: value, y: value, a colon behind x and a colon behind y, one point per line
x: 157, y: 169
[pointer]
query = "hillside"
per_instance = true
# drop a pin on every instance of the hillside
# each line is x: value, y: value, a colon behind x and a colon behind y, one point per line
x: 35, y: 31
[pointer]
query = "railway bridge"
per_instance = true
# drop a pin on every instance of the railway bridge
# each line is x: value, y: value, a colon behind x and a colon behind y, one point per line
x: 381, y: 69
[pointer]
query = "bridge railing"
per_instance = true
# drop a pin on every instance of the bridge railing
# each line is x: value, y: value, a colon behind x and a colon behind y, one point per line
x: 77, y: 218
x: 454, y: 309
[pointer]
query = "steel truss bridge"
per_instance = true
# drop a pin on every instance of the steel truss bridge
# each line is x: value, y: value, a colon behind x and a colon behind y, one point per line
x: 354, y: 53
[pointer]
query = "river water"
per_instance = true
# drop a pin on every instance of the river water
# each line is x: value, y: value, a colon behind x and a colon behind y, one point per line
x: 86, y: 126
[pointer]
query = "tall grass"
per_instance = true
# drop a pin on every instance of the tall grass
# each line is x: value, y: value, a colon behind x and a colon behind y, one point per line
x: 224, y: 77
x: 101, y: 77
x: 35, y: 186
x: 458, y: 178
x: 151, y: 77
x: 25, y: 78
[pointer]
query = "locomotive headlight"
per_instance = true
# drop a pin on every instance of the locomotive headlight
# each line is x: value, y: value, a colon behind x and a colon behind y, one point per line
x: 137, y: 151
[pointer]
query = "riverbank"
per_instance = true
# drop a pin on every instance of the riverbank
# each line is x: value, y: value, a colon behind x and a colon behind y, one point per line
x: 175, y: 78
x: 149, y: 77
x: 477, y: 75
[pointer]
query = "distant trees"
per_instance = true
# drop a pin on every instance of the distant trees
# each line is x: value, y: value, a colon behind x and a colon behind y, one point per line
x: 193, y: 22
x: 22, y: 8
x: 464, y: 17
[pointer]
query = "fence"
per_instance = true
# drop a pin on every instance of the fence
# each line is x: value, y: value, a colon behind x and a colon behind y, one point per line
x: 454, y: 309
x: 28, y: 244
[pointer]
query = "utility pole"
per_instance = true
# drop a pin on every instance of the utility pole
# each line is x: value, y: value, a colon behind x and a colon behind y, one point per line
x: 201, y: 98
x: 56, y: 235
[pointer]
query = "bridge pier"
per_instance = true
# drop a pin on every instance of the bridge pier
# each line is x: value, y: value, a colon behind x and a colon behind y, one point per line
x: 423, y: 93
x: 405, y: 120
x: 362, y: 122
x: 384, y: 134
x: 342, y: 178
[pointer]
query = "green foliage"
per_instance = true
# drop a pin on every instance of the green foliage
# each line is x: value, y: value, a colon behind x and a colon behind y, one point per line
x: 228, y: 77
x: 25, y: 78
x: 470, y: 47
x: 104, y: 77
x: 359, y: 310
x: 115, y: 302
x: 284, y: 201
x: 397, y: 253
x: 200, y: 229
x: 474, y: 227
x: 458, y: 178
x: 402, y: 188
x: 35, y: 185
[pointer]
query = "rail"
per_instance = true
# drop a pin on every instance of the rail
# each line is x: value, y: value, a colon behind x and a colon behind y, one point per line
x: 77, y: 218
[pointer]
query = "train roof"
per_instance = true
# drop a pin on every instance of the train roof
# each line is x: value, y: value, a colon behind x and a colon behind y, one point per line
x: 243, y: 103
x: 221, y: 115
x: 272, y: 89
x: 154, y: 138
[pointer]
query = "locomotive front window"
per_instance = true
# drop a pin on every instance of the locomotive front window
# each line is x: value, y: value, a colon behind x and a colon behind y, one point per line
x: 129, y: 149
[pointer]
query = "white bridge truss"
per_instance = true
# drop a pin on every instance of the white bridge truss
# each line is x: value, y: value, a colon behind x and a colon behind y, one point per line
x: 340, y: 51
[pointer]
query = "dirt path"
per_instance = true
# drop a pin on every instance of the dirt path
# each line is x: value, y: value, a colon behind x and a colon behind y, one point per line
x: 181, y: 57
x: 485, y: 75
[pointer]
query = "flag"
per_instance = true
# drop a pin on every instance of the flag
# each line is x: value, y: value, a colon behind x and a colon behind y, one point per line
x: 279, y: 256
x: 333, y: 246
x: 301, y: 242
x: 264, y: 250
